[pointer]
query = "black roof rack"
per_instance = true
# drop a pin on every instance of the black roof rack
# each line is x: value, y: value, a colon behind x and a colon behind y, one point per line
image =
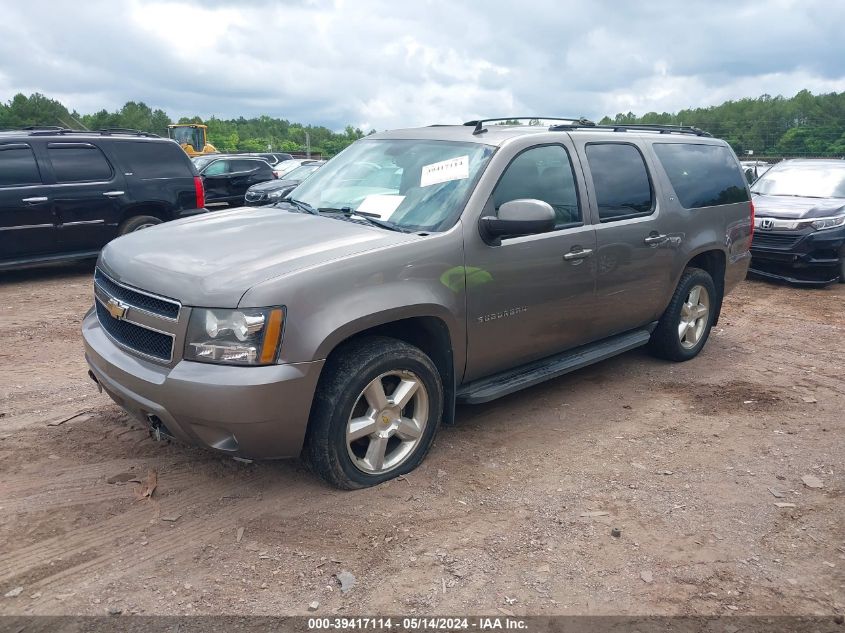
x: 50, y: 130
x: 479, y: 124
x: 638, y: 127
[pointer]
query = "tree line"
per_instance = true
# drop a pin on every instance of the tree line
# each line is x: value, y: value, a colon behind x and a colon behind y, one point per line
x: 227, y: 135
x: 803, y: 125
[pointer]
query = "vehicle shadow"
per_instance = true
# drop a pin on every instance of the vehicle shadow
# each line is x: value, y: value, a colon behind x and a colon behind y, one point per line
x: 47, y: 272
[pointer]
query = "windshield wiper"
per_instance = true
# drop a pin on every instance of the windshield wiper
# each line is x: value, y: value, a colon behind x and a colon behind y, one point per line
x: 299, y: 204
x: 370, y: 218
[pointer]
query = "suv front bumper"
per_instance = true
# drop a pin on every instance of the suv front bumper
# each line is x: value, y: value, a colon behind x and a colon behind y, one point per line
x: 810, y: 258
x: 250, y: 412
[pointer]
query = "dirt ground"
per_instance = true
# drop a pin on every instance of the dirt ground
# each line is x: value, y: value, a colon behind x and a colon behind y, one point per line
x: 511, y: 512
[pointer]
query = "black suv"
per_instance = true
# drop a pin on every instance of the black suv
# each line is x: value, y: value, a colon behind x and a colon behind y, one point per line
x: 64, y: 194
x: 227, y: 177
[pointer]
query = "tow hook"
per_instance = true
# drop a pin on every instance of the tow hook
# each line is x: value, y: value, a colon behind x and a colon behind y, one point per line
x: 96, y: 382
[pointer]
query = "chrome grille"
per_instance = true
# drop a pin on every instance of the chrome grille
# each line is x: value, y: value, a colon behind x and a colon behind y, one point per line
x: 140, y: 300
x: 139, y: 339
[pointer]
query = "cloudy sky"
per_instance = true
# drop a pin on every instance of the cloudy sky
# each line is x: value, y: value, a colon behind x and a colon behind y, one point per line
x: 386, y: 64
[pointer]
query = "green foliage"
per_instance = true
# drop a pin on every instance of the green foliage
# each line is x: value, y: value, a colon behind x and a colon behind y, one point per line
x: 805, y: 125
x: 227, y: 135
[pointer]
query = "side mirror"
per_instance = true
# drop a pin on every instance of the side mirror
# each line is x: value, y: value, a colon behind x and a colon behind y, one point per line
x: 517, y: 217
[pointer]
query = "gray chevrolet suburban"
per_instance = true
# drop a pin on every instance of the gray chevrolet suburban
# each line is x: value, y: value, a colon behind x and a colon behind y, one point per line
x: 418, y: 269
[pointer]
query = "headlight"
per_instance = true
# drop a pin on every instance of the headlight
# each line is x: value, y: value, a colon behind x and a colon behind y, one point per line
x: 828, y: 223
x: 234, y: 337
x: 275, y: 195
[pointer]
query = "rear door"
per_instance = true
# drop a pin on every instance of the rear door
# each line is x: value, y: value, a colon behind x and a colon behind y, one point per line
x: 27, y: 221
x: 216, y: 178
x: 531, y: 296
x: 635, y: 251
x: 246, y: 173
x: 88, y: 195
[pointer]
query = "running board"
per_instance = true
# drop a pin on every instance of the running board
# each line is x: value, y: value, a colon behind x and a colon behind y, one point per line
x: 511, y: 380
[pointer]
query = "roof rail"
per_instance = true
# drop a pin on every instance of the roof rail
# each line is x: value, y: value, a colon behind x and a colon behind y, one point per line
x: 639, y: 127
x: 43, y: 127
x: 49, y: 131
x: 479, y: 124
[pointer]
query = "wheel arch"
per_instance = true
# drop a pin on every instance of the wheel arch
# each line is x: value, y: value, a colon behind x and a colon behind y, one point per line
x: 155, y: 209
x: 714, y: 262
x: 428, y: 332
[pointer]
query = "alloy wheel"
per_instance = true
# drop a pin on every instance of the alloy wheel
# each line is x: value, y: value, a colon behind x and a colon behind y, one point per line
x: 387, y: 422
x: 695, y: 313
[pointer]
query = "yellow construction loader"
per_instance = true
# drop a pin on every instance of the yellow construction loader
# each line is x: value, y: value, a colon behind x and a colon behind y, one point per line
x: 192, y: 137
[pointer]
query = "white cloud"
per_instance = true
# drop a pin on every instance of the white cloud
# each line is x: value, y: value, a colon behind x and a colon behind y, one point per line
x: 382, y: 64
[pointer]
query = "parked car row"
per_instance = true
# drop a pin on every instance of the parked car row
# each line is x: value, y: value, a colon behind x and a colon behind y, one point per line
x: 64, y: 194
x: 274, y: 190
x: 249, y: 179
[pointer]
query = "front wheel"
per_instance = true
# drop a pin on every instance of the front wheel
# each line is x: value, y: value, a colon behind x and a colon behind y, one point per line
x: 375, y: 413
x: 685, y: 325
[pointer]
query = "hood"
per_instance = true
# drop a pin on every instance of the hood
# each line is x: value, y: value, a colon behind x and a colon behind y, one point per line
x: 273, y: 185
x: 795, y: 208
x: 211, y: 260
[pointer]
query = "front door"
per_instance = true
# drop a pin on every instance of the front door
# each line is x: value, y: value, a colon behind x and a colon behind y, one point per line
x: 27, y: 222
x: 531, y: 296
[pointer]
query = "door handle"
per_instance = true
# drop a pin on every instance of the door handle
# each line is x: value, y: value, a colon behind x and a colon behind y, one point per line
x: 652, y: 240
x: 35, y: 200
x: 576, y: 255
x: 112, y: 194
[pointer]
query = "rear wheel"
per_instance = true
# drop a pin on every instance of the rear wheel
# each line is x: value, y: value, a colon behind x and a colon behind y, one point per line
x: 375, y: 413
x: 685, y: 325
x: 137, y: 223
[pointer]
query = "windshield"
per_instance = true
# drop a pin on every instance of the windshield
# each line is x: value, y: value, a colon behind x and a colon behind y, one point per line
x: 806, y: 181
x: 412, y: 184
x: 301, y: 173
x: 188, y: 136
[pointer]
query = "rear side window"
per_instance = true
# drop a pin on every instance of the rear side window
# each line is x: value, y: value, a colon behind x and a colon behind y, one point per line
x: 18, y: 166
x: 78, y: 162
x: 702, y: 175
x: 541, y: 173
x: 248, y: 165
x: 623, y: 188
x: 154, y: 159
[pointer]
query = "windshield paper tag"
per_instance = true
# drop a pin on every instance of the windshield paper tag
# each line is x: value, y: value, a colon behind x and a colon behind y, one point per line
x: 453, y: 169
x: 381, y: 204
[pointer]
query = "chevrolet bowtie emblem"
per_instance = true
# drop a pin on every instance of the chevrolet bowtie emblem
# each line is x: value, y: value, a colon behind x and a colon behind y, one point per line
x: 116, y: 309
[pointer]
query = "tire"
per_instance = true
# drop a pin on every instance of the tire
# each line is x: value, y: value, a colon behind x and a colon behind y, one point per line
x: 668, y: 340
x: 137, y: 223
x: 346, y: 389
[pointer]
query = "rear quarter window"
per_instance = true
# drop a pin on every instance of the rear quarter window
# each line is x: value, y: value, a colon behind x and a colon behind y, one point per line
x: 702, y: 175
x: 154, y: 159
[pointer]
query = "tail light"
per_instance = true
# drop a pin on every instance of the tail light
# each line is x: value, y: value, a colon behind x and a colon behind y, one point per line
x: 751, y: 206
x: 200, y: 191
